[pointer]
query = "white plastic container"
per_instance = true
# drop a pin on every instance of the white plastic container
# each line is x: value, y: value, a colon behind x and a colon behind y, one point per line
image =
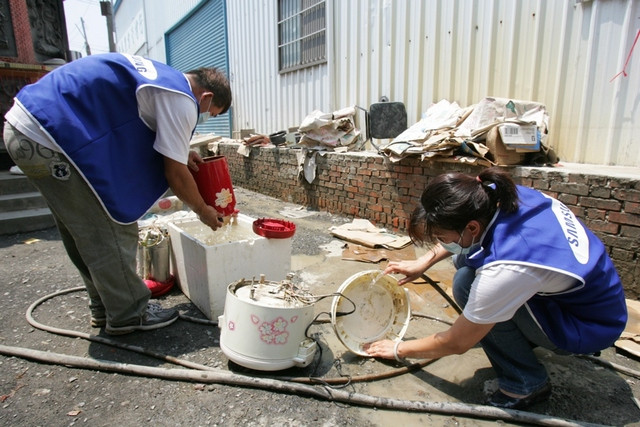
x: 205, y: 262
x: 264, y: 325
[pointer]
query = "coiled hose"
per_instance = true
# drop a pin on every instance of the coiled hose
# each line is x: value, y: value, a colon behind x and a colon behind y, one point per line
x: 294, y: 385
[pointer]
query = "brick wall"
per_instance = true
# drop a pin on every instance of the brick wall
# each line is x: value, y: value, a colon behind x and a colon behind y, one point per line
x: 21, y: 66
x: 609, y: 206
x: 22, y: 33
x: 38, y: 28
x: 366, y: 185
x: 14, y: 77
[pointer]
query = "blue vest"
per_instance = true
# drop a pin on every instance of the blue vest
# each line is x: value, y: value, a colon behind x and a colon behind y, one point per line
x: 545, y: 233
x: 89, y: 107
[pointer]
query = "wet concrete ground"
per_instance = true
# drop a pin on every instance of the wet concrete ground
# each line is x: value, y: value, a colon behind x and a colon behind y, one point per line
x: 459, y: 378
x: 35, y: 393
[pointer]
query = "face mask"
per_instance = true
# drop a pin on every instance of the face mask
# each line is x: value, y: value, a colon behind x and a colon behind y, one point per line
x: 456, y: 248
x: 203, y: 117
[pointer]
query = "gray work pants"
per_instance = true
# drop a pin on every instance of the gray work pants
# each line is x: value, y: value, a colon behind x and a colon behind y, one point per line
x: 103, y: 250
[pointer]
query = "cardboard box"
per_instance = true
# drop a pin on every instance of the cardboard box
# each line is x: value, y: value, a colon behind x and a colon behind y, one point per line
x: 204, y: 270
x: 500, y: 154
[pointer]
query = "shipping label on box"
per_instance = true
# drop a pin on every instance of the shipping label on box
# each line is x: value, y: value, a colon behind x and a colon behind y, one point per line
x: 512, y: 133
x: 519, y: 137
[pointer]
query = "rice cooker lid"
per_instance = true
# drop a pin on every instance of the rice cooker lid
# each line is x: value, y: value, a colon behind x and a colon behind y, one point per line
x: 382, y: 310
x: 274, y: 228
x: 271, y: 294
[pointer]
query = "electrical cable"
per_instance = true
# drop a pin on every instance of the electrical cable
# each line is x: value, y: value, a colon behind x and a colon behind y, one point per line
x: 441, y: 291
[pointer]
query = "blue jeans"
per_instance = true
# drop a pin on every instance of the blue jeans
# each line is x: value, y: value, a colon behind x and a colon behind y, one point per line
x: 103, y: 251
x: 509, y: 345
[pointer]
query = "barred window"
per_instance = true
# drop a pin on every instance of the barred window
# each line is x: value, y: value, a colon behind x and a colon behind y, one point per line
x: 301, y: 34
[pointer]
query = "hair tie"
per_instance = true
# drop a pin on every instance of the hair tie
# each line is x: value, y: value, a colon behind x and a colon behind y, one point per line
x: 478, y: 179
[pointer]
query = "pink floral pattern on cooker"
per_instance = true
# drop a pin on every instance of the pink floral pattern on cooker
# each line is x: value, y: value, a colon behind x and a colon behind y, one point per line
x: 274, y: 332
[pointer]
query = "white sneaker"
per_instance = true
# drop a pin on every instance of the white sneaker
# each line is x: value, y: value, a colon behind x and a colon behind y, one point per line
x: 15, y: 170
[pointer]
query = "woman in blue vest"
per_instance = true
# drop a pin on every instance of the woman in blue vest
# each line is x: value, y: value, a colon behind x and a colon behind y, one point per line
x: 529, y: 273
x: 103, y: 138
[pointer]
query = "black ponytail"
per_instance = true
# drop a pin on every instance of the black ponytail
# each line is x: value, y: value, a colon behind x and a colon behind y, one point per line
x: 451, y: 200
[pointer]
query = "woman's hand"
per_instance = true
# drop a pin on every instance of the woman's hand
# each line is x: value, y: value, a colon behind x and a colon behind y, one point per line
x: 411, y: 269
x: 458, y: 339
x: 382, y: 349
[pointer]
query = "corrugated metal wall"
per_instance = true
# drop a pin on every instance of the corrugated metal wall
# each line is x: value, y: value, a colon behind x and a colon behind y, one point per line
x: 563, y: 53
x: 161, y: 15
x: 263, y: 99
x: 200, y: 40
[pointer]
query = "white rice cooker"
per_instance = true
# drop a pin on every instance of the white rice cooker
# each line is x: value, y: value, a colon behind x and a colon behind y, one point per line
x: 264, y: 323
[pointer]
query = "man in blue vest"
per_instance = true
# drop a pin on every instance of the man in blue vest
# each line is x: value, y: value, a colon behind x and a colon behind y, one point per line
x: 103, y: 138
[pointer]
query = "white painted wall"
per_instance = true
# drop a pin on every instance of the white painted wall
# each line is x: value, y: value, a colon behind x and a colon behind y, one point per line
x: 141, y: 24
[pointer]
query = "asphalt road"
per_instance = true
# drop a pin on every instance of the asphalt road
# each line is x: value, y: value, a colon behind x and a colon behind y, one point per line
x: 110, y: 384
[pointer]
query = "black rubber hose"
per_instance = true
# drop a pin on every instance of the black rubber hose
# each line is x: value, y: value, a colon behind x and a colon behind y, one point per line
x: 324, y: 393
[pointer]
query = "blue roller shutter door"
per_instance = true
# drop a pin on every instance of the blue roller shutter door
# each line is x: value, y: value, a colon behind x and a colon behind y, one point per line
x: 200, y: 40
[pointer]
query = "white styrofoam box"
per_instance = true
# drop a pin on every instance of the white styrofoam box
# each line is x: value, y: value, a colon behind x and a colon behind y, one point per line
x: 204, y: 272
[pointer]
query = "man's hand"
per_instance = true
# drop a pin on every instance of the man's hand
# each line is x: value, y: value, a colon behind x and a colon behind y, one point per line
x: 210, y: 217
x: 194, y: 161
x: 183, y: 185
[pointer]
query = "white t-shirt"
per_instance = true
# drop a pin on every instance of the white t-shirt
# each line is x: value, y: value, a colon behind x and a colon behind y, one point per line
x: 500, y: 290
x: 171, y: 115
